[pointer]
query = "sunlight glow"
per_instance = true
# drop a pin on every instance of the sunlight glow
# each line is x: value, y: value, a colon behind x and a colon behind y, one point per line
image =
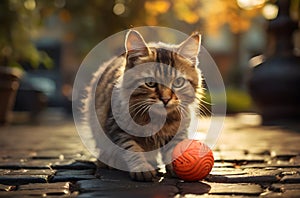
x: 157, y: 7
x: 250, y: 4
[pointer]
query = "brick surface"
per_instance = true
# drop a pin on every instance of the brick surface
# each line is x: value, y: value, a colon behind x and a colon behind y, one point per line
x: 7, y: 188
x: 22, y: 179
x: 288, y: 193
x: 235, y: 189
x: 58, y: 185
x: 240, y: 156
x: 160, y: 192
x: 50, y: 160
x: 215, y: 196
x: 27, y: 172
x: 36, y: 193
x: 74, y: 165
x: 73, y: 175
x: 197, y: 188
x: 227, y: 171
x: 291, y: 179
x: 284, y: 187
x: 243, y: 178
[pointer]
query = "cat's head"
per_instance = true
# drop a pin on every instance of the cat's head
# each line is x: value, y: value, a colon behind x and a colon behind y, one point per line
x: 167, y: 75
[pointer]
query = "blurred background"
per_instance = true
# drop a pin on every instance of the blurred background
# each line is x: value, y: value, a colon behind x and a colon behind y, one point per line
x: 255, y: 44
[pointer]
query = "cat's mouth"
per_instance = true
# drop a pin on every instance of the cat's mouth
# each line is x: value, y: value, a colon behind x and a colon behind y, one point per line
x: 161, y: 109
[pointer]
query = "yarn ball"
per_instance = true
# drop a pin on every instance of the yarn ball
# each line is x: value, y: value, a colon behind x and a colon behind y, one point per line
x: 192, y: 160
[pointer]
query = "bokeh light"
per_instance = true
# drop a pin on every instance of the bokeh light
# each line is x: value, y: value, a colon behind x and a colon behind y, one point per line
x: 270, y: 11
x: 119, y: 8
x: 30, y: 4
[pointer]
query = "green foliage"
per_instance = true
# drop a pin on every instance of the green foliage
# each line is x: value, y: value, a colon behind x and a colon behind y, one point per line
x: 238, y: 100
x: 18, y: 19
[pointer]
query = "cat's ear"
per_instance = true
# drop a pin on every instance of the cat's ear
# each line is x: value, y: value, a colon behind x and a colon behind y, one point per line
x: 190, y: 48
x: 135, y: 45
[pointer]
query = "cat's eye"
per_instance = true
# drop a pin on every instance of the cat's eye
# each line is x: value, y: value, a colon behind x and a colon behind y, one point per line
x: 150, y: 82
x: 178, y: 82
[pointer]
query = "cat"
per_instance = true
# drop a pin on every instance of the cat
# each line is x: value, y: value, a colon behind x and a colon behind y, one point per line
x: 172, y: 82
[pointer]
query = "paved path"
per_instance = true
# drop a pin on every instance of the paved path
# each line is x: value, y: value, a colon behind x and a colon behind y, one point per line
x: 49, y: 160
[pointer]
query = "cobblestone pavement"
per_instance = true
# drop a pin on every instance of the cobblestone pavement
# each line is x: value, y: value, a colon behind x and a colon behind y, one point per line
x: 49, y: 160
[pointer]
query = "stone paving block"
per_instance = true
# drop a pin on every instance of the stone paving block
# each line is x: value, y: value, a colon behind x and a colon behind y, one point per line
x: 264, y: 152
x: 224, y: 165
x: 7, y: 188
x: 100, y: 185
x: 67, y: 186
x: 66, y: 172
x: 227, y: 171
x: 127, y: 188
x: 241, y: 156
x: 27, y: 164
x: 284, y: 187
x: 197, y: 188
x: 36, y: 193
x: 61, y: 155
x: 242, y: 178
x: 73, y: 175
x: 44, y: 155
x: 235, y: 189
x: 264, y: 172
x: 295, y: 160
x: 288, y: 193
x: 112, y: 175
x: 153, y: 192
x: 27, y: 172
x: 214, y: 196
x: 22, y: 179
x: 280, y: 164
x: 13, y: 154
x: 12, y: 164
x: 22, y: 176
x: 74, y: 165
x: 289, y: 171
x: 290, y: 179
x: 284, y: 155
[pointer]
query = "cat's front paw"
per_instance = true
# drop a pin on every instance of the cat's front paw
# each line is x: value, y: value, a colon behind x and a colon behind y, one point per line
x: 149, y: 175
x: 170, y: 171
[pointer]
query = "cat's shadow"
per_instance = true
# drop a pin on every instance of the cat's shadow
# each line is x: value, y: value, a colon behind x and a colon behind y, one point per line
x: 120, y: 181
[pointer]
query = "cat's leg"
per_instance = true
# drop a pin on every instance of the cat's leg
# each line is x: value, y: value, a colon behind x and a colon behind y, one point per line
x: 139, y: 167
x: 168, y: 150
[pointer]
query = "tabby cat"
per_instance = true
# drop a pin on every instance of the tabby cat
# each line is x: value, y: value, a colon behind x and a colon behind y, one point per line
x: 172, y: 82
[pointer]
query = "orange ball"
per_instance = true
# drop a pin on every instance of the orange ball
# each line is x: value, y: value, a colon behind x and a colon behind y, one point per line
x: 192, y: 160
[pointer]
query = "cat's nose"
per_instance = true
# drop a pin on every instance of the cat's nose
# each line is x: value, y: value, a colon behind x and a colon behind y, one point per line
x: 165, y: 100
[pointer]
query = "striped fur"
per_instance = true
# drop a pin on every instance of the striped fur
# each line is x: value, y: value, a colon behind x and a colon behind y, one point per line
x: 172, y: 61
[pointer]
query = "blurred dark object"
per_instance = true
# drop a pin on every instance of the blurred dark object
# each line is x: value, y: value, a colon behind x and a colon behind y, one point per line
x: 31, y: 96
x: 274, y: 84
x: 44, y: 79
x: 41, y: 87
x: 9, y: 83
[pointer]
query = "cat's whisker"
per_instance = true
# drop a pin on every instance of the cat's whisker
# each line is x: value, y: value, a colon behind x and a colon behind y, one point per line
x: 178, y: 111
x: 137, y: 104
x: 145, y: 110
x: 142, y: 107
x: 204, y: 109
x: 204, y: 101
x: 183, y: 110
x: 138, y: 107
